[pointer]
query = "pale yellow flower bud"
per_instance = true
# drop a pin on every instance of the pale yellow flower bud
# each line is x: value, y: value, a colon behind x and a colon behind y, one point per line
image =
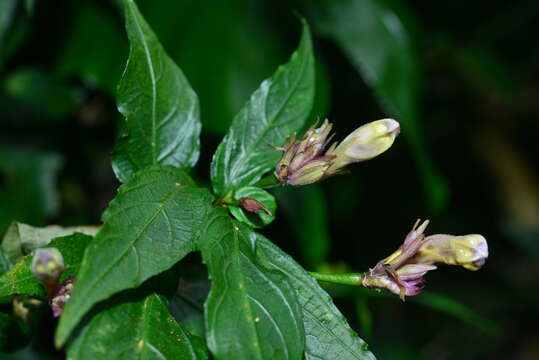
x: 364, y: 143
x: 468, y: 251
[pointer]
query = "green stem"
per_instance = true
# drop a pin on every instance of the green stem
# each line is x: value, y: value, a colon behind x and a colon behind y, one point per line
x: 345, y: 279
x: 267, y: 181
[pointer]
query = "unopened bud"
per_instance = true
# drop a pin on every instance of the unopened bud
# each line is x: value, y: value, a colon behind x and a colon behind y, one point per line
x: 364, y: 143
x: 253, y: 205
x: 47, y: 264
x: 468, y: 251
x: 62, y: 296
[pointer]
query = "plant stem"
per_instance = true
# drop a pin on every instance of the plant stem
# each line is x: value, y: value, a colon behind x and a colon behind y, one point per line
x: 345, y: 279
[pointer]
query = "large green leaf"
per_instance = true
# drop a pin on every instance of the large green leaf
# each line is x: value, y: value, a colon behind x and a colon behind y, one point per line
x: 19, y: 279
x: 162, y: 124
x: 374, y: 38
x: 276, y: 109
x: 252, y: 312
x: 142, y: 329
x: 327, y: 334
x: 21, y: 239
x: 150, y: 225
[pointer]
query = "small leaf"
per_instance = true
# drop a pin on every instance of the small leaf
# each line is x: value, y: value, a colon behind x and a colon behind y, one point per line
x: 260, y: 219
x: 20, y: 280
x: 374, y: 38
x: 326, y: 330
x: 161, y: 110
x: 252, y: 312
x: 142, y: 329
x: 275, y: 110
x: 21, y: 239
x: 150, y: 225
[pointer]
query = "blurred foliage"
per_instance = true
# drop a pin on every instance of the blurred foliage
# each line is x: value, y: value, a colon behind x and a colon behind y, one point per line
x: 462, y: 77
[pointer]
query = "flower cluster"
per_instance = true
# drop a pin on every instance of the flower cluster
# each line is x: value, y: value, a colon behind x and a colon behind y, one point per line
x: 402, y: 272
x: 306, y: 161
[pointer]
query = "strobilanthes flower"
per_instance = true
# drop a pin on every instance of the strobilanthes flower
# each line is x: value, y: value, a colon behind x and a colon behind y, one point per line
x: 306, y: 161
x: 47, y: 264
x: 402, y: 272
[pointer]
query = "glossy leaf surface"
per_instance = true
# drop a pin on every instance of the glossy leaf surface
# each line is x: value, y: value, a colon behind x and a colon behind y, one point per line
x: 162, y: 124
x: 327, y: 334
x: 252, y: 312
x: 150, y: 225
x: 275, y: 110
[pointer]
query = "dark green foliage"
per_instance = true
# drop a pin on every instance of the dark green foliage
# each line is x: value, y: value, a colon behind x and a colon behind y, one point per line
x: 276, y: 109
x: 162, y: 124
x: 252, y: 311
x: 136, y: 329
x: 151, y: 225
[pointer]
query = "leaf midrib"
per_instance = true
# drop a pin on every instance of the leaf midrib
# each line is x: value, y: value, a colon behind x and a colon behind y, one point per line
x: 149, y: 62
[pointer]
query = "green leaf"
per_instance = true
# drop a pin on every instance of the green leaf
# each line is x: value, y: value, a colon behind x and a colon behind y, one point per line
x: 162, y: 124
x: 259, y: 219
x: 142, y: 329
x: 19, y: 279
x: 252, y: 311
x: 374, y: 38
x: 31, y: 176
x: 275, y: 110
x: 327, y: 334
x: 305, y: 209
x: 21, y: 239
x: 150, y: 225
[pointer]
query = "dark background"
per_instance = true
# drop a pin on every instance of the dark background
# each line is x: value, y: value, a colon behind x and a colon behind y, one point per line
x: 477, y: 95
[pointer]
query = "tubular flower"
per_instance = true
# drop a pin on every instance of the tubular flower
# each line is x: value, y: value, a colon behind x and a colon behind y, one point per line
x: 306, y: 161
x: 47, y: 264
x: 402, y: 272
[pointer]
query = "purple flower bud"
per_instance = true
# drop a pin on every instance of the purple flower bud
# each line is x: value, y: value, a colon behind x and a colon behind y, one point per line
x: 306, y: 161
x: 403, y: 271
x: 253, y: 205
x: 62, y: 296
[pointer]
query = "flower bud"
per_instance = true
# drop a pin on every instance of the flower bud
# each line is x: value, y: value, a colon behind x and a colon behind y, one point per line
x: 253, y: 205
x: 364, y: 143
x: 468, y: 251
x: 403, y: 271
x: 305, y: 161
x: 62, y: 296
x: 47, y: 264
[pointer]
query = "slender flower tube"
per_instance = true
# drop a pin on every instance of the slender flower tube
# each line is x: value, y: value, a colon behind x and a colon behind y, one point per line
x: 403, y: 271
x: 306, y: 161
